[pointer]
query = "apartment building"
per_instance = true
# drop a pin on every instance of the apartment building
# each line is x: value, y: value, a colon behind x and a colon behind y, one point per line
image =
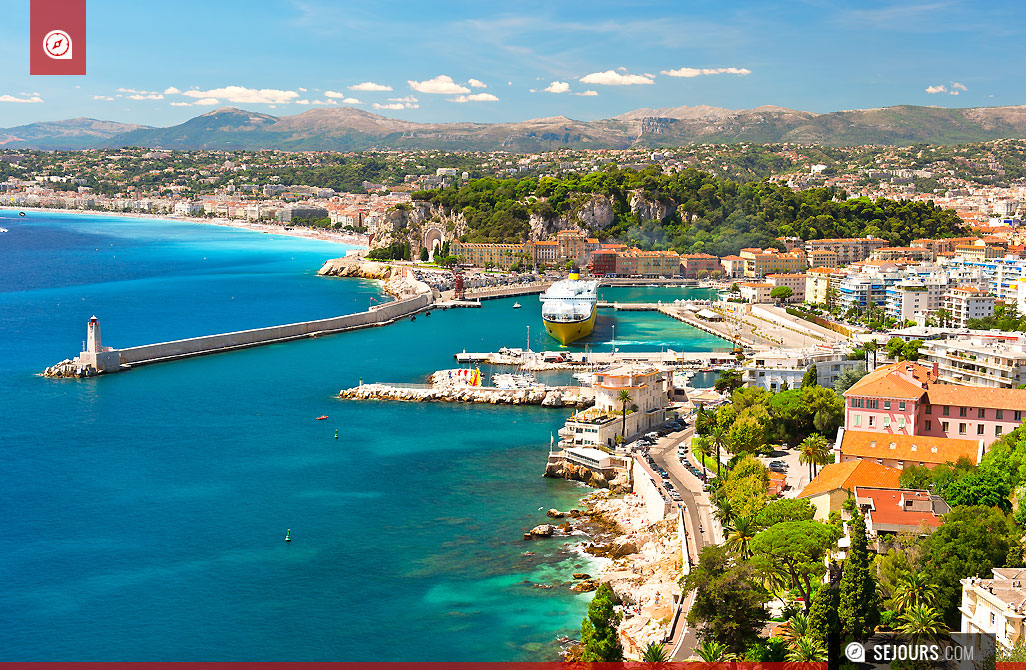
x: 818, y: 282
x: 502, y: 256
x: 991, y: 361
x: 692, y: 264
x: 647, y: 263
x: 907, y: 399
x: 603, y: 262
x: 978, y: 251
x: 793, y: 281
x: 848, y: 250
x: 771, y: 370
x: 965, y: 303
x: 909, y: 297
x: 901, y: 253
x: 760, y: 262
x: 756, y: 292
x: 733, y: 267
x: 650, y: 390
x: 996, y: 606
x: 822, y: 258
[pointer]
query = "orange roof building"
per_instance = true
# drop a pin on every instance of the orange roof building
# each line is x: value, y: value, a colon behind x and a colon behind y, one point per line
x: 891, y: 510
x: 835, y: 483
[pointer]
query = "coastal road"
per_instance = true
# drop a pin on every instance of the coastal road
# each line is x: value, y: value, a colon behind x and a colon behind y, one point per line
x: 699, y: 507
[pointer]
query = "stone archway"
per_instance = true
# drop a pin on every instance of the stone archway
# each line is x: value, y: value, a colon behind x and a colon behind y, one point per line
x: 433, y: 237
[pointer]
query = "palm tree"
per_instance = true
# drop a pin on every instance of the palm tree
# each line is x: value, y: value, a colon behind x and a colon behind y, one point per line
x: 812, y: 451
x: 871, y: 347
x: 723, y: 513
x: 740, y: 533
x: 712, y: 651
x: 943, y: 316
x: 624, y: 398
x: 922, y: 622
x: 703, y: 447
x: 913, y: 590
x: 655, y: 653
x: 796, y: 628
x: 807, y: 650
x: 718, y: 436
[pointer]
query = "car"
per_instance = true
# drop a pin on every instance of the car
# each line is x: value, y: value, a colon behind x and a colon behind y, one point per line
x: 782, y: 469
x: 652, y: 436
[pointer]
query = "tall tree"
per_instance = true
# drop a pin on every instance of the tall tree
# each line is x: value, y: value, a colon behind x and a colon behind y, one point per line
x: 740, y: 534
x: 598, y: 629
x: 798, y: 547
x: 858, y: 608
x: 823, y: 620
x: 813, y: 451
x: 729, y: 605
x: 811, y: 377
x: 914, y: 589
x: 624, y: 398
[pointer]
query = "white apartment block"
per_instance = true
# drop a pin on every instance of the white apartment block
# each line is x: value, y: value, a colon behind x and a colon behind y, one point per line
x: 772, y: 369
x: 793, y: 281
x: 909, y: 297
x: 650, y: 390
x: 997, y: 361
x: 755, y: 292
x: 967, y: 302
x: 996, y: 606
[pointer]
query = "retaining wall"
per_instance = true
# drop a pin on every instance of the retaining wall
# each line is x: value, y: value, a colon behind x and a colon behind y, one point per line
x: 197, y: 346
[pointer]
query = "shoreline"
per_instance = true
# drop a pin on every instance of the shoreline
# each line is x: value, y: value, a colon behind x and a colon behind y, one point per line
x: 348, y: 239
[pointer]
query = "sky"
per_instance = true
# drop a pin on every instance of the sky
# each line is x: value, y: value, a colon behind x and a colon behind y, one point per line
x: 162, y: 63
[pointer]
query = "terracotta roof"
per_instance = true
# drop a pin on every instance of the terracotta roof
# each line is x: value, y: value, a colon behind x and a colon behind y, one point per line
x: 887, y: 509
x: 891, y: 381
x: 916, y: 448
x: 976, y: 396
x: 849, y: 475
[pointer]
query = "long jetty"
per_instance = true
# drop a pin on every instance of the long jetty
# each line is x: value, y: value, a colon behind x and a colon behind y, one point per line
x: 105, y: 359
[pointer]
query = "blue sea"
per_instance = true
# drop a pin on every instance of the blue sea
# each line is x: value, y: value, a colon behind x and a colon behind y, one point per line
x: 144, y: 512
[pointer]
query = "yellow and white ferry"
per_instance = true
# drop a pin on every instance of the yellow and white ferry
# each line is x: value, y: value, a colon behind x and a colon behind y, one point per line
x: 568, y: 308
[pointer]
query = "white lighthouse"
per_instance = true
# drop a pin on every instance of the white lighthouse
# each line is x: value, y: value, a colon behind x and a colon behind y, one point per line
x: 95, y: 357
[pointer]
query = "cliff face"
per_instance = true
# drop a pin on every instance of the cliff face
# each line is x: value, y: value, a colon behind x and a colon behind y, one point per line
x: 410, y: 223
x: 355, y: 266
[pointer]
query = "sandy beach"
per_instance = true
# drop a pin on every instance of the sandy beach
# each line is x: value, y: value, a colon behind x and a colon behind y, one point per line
x: 351, y: 239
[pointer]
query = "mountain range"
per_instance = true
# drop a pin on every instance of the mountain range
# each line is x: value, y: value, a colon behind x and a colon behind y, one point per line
x: 349, y: 129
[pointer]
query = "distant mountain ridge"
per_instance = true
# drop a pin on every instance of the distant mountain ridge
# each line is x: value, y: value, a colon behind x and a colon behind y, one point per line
x: 349, y: 129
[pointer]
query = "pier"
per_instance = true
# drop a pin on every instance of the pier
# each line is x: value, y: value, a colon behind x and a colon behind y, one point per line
x: 97, y: 359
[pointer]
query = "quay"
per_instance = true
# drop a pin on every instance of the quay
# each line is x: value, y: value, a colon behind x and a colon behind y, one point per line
x: 557, y: 360
x: 97, y: 359
x: 545, y: 396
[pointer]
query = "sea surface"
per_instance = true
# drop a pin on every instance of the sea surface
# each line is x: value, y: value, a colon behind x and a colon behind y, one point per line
x: 144, y: 512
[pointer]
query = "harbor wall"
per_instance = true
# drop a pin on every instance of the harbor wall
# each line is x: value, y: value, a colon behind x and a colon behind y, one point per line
x: 657, y: 503
x: 207, y: 344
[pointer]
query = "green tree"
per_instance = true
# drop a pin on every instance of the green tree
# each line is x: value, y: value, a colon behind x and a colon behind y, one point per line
x: 728, y: 381
x: 858, y: 608
x: 915, y: 477
x: 922, y: 623
x: 655, y: 653
x: 807, y: 650
x: 848, y: 377
x: 811, y: 377
x: 712, y: 651
x: 599, y: 629
x: 718, y: 436
x: 798, y: 548
x: 729, y: 605
x: 895, y: 347
x: 823, y: 620
x: 813, y: 450
x: 910, y: 352
x: 624, y: 398
x: 796, y: 628
x: 914, y: 589
x: 785, y: 509
x: 971, y: 541
x: 423, y: 254
x: 739, y: 536
x: 781, y: 293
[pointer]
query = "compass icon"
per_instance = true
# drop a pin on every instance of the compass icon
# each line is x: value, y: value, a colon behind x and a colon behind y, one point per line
x: 57, y: 44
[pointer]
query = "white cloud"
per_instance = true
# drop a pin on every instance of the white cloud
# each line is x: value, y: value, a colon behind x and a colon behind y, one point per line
x: 613, y: 78
x: 699, y: 71
x: 334, y: 94
x: 442, y: 84
x: 960, y: 87
x: 302, y: 90
x: 103, y: 97
x: 147, y: 96
x: 181, y: 104
x: 557, y: 87
x: 171, y: 90
x: 302, y: 102
x: 476, y: 83
x: 11, y: 98
x: 589, y: 93
x: 476, y: 97
x: 207, y: 101
x: 323, y: 102
x: 391, y: 105
x: 369, y: 86
x: 939, y: 88
x: 408, y: 98
x: 246, y: 95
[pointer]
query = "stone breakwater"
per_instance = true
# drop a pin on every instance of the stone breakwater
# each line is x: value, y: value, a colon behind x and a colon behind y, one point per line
x: 468, y: 394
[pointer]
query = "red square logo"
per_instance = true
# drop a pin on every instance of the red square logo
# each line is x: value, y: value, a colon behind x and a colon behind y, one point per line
x: 57, y: 37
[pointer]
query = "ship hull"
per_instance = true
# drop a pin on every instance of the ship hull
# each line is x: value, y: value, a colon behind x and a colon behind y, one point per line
x: 568, y: 331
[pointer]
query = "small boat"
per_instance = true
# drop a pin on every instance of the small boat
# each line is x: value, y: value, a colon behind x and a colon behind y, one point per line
x: 322, y: 417
x: 4, y: 230
x: 288, y: 535
x: 517, y: 305
x: 336, y: 433
x: 21, y: 213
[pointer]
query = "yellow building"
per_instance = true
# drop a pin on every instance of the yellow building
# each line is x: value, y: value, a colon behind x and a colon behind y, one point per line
x: 502, y: 256
x: 760, y: 262
x: 818, y: 282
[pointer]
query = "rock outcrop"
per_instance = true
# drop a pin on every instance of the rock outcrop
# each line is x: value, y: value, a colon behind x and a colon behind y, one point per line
x: 469, y: 394
x: 648, y: 210
x: 579, y: 473
x: 67, y: 368
x: 355, y: 266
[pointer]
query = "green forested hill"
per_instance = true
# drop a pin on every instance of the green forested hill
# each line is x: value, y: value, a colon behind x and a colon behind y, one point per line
x: 705, y: 213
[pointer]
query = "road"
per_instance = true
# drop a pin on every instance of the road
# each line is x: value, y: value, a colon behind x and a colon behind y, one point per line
x: 699, y: 508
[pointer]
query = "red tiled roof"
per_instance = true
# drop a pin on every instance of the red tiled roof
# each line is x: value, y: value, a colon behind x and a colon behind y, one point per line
x: 888, y: 382
x: 849, y: 475
x: 912, y: 448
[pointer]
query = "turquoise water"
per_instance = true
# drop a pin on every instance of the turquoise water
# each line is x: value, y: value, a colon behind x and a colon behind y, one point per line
x: 144, y: 512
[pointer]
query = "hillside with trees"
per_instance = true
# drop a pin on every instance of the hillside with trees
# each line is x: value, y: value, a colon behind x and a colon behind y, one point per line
x: 697, y: 212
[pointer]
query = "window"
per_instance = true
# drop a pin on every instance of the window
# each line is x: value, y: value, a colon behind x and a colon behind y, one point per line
x: 946, y: 410
x: 979, y: 429
x: 981, y: 413
x: 999, y: 414
x: 929, y: 424
x: 1018, y: 415
x: 872, y: 420
x: 963, y: 411
x: 856, y: 420
x: 854, y: 403
x: 887, y: 422
x: 929, y: 409
x: 887, y: 404
x: 998, y: 430
x: 901, y: 422
x: 961, y: 429
x: 901, y: 406
x: 944, y: 426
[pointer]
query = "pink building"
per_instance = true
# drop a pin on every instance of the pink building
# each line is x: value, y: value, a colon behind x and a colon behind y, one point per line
x: 905, y: 399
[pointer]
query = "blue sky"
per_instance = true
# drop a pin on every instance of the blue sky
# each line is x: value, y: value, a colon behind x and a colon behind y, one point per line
x: 161, y: 63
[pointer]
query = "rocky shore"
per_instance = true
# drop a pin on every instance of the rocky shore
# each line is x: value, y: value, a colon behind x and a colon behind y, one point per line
x: 397, y: 283
x: 643, y: 564
x: 469, y: 394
